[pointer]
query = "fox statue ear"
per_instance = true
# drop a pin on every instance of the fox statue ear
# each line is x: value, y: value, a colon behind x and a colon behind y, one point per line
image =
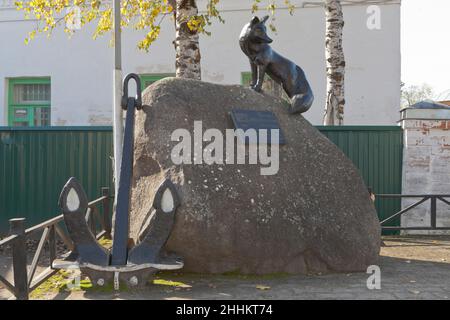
x: 264, y: 20
x: 254, y: 20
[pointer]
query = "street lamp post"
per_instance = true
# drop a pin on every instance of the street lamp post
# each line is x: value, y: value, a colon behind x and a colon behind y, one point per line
x: 117, y: 87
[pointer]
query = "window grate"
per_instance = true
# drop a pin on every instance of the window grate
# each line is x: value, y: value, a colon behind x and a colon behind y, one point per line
x: 31, y: 93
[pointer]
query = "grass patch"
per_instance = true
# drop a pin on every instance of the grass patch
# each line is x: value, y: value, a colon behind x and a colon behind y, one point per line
x: 62, y: 281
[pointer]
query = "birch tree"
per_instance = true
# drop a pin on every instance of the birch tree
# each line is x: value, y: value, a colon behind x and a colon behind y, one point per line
x: 335, y: 62
x: 186, y: 42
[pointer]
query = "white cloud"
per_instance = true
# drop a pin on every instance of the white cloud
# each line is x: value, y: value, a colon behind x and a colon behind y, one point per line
x: 426, y: 43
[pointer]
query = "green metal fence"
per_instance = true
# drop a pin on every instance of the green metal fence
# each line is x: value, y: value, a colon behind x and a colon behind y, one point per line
x: 377, y: 151
x: 35, y: 163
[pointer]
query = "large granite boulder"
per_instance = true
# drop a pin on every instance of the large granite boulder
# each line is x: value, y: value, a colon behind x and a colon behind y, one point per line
x: 314, y: 215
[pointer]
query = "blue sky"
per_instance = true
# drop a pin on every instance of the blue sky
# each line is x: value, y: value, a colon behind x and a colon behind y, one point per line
x: 426, y: 43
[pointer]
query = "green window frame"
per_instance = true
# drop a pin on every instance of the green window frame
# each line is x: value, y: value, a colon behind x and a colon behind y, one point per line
x: 28, y: 113
x: 246, y: 78
x: 148, y: 79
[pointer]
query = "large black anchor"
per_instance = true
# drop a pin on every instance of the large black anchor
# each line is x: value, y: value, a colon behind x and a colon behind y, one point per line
x: 134, y: 266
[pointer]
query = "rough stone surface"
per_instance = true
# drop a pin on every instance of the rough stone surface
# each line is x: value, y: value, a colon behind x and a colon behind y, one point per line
x: 313, y: 216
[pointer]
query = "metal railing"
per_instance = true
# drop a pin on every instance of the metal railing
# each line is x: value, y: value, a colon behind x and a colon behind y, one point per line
x: 422, y: 198
x: 24, y: 277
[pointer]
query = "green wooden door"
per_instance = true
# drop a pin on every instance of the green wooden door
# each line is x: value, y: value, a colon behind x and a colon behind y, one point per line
x: 148, y: 79
x: 29, y: 102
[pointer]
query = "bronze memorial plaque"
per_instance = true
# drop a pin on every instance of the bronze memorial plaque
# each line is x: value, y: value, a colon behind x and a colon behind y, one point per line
x: 252, y: 119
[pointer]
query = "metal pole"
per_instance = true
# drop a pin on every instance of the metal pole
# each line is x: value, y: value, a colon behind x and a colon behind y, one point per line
x: 433, y: 212
x: 117, y: 111
x: 19, y: 252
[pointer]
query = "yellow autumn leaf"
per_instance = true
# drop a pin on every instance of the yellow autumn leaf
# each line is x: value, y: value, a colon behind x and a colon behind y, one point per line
x: 138, y: 14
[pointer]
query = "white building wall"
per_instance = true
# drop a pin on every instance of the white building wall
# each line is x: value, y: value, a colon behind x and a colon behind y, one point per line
x: 81, y: 68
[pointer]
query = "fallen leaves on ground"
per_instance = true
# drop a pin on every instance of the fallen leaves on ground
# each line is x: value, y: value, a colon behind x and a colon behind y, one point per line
x: 171, y: 283
x: 262, y: 287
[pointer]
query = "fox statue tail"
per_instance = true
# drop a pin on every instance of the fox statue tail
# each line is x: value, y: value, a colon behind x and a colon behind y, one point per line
x: 301, y: 102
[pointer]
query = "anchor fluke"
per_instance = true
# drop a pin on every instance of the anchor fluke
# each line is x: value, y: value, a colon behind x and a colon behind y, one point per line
x: 165, y: 203
x: 73, y: 202
x: 72, y: 197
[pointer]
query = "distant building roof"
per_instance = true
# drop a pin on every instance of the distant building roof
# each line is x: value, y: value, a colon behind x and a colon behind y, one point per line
x: 428, y: 104
x: 426, y: 110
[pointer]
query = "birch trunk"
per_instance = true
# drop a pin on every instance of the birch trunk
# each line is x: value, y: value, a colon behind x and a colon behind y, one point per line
x: 334, y: 109
x: 187, y: 47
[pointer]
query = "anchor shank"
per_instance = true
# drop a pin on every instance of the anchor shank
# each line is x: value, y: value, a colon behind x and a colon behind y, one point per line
x: 121, y: 225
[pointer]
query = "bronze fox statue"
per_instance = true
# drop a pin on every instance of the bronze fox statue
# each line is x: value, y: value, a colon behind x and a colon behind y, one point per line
x: 254, y: 42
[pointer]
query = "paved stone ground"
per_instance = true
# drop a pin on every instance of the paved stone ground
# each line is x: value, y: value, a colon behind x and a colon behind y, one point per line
x: 411, y: 268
